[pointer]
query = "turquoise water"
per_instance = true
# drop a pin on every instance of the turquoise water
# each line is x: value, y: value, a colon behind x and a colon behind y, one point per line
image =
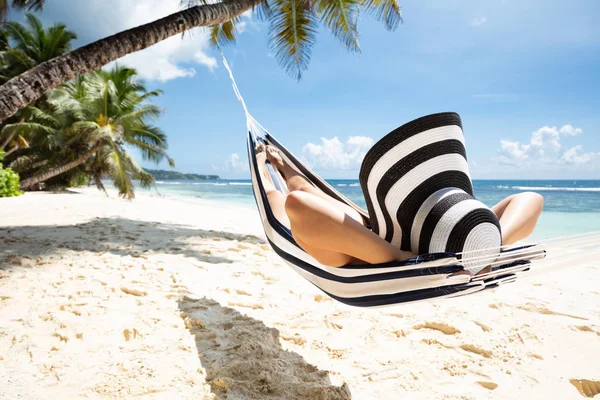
x: 571, y: 206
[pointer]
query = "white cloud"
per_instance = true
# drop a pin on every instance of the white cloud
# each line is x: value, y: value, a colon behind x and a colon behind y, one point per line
x: 544, y: 149
x: 334, y: 154
x: 568, y: 130
x: 476, y: 22
x: 172, y: 58
x: 175, y: 57
x: 233, y: 163
x: 572, y: 156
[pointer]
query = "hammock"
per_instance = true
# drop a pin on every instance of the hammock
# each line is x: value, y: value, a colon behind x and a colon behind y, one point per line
x: 426, y: 276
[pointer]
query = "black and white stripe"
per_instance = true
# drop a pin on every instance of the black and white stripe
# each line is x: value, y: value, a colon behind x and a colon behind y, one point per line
x: 418, y: 190
x: 421, y: 278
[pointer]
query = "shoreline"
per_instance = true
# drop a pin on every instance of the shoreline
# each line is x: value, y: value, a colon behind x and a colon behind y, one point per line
x: 169, y: 298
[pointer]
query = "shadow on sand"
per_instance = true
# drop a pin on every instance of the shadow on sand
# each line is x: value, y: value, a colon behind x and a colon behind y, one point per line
x: 118, y: 236
x: 244, y: 359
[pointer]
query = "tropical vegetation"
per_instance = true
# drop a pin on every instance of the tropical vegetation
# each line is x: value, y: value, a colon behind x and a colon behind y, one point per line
x: 163, y: 175
x: 35, y: 5
x: 84, y: 129
x: 9, y: 180
x: 292, y: 33
x: 65, y: 121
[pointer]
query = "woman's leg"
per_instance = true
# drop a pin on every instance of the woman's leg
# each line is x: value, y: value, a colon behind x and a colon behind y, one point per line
x: 518, y: 215
x: 332, y: 237
x: 330, y: 231
x: 297, y: 182
x: 276, y: 198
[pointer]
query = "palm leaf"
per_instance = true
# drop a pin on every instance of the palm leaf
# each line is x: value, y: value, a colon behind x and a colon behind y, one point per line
x: 21, y: 164
x: 22, y: 128
x: 292, y: 34
x: 59, y: 41
x: 340, y: 17
x: 148, y: 134
x: 40, y: 116
x: 18, y: 57
x: 146, y: 179
x: 263, y: 10
x: 35, y: 5
x: 224, y: 34
x: 150, y: 152
x: 387, y: 11
x: 19, y: 34
x: 118, y: 166
x: 141, y: 115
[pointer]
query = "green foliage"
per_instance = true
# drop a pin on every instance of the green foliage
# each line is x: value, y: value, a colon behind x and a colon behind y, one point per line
x: 163, y: 175
x: 35, y: 5
x: 294, y: 24
x: 110, y: 111
x: 23, y: 46
x: 9, y: 180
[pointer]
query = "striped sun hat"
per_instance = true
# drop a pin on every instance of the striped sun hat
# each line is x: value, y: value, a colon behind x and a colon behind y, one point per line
x: 419, y: 194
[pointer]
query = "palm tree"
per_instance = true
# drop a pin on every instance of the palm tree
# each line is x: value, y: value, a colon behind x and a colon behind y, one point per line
x: 35, y: 5
x: 25, y: 46
x: 92, y: 121
x: 293, y: 27
x: 22, y: 47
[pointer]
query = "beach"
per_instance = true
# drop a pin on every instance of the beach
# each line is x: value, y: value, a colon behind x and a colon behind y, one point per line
x: 182, y: 298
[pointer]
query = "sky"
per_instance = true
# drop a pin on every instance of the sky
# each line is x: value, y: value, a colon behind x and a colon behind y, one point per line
x: 523, y: 76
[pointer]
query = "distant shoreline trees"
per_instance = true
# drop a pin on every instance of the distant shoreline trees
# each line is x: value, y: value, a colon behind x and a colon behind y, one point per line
x: 161, y: 174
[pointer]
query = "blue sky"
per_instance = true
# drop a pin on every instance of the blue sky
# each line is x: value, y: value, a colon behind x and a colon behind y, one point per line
x: 523, y: 75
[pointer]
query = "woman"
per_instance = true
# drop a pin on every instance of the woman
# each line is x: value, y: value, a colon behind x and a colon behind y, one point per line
x: 335, y: 234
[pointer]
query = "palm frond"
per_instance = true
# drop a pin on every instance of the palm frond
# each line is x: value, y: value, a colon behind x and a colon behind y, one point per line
x: 340, y: 17
x: 224, y: 34
x: 148, y: 134
x: 26, y: 162
x: 58, y: 41
x: 146, y: 179
x: 147, y: 95
x: 118, y: 168
x: 149, y: 112
x: 41, y: 116
x: 21, y: 164
x: 292, y: 34
x: 150, y: 152
x: 17, y: 60
x: 31, y: 128
x: 19, y: 34
x: 35, y: 5
x: 387, y: 11
x: 263, y: 10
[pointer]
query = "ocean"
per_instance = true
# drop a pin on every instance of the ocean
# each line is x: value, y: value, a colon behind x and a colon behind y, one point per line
x: 570, y: 206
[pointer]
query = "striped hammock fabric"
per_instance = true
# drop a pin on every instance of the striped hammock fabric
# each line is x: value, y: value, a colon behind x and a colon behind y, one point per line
x: 420, y: 278
x: 423, y: 277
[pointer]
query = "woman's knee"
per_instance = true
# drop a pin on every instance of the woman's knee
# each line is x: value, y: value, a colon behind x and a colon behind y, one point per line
x: 297, y: 203
x: 535, y: 199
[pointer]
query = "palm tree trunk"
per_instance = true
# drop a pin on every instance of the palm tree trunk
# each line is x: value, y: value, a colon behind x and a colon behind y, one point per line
x: 62, y: 169
x: 39, y: 164
x: 29, y: 86
x: 7, y: 140
x: 14, y: 148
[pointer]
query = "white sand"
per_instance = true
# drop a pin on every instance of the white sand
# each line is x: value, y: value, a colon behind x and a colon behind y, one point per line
x: 171, y: 299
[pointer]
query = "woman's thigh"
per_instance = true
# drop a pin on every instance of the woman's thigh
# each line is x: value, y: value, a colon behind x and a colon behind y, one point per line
x: 327, y: 257
x: 333, y: 237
